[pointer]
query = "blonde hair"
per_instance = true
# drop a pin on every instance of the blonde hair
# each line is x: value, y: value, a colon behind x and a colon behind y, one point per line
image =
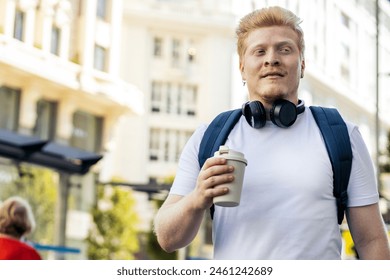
x: 266, y: 17
x: 16, y: 217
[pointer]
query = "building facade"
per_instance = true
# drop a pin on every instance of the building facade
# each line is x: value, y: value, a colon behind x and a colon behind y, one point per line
x: 59, y: 81
x: 181, y: 53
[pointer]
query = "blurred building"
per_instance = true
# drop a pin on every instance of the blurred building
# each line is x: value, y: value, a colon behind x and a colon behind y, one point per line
x: 59, y: 81
x: 179, y: 53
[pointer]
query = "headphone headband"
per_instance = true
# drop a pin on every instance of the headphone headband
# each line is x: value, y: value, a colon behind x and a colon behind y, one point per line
x: 300, y: 106
x: 283, y: 113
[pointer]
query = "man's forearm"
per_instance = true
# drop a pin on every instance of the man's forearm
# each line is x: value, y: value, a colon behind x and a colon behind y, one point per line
x: 376, y: 249
x: 368, y: 232
x: 177, y: 223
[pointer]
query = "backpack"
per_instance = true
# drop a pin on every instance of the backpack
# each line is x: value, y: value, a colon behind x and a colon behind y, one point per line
x: 334, y: 132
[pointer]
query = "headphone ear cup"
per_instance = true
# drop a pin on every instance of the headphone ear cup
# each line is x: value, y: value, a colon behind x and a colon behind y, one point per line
x: 254, y: 113
x: 283, y: 113
x: 245, y: 108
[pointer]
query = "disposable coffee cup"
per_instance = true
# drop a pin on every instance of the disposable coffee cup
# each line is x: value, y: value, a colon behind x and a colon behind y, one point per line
x: 238, y: 161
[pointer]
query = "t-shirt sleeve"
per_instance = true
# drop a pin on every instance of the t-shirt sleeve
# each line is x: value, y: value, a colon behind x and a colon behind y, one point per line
x: 362, y: 188
x: 188, y: 168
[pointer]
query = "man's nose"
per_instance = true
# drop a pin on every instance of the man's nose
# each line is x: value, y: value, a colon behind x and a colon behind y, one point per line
x: 272, y: 59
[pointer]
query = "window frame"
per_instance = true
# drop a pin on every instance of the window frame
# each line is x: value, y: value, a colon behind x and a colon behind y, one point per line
x: 10, y: 107
x: 19, y: 25
x: 46, y: 120
x: 100, y: 58
x: 90, y: 128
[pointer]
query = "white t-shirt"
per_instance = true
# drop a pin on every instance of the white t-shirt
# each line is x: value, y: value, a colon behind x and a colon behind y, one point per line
x: 287, y: 208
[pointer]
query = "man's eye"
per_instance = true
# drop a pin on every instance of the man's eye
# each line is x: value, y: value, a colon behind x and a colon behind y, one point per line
x: 285, y: 50
x: 260, y: 52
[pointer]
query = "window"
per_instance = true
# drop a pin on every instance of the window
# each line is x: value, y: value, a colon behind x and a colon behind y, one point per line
x: 9, y: 108
x: 174, y: 98
x: 154, y: 144
x: 100, y: 58
x: 191, y: 99
x: 165, y: 145
x: 175, y: 53
x: 19, y: 25
x: 55, y: 40
x: 101, y: 9
x: 87, y: 131
x: 345, y: 20
x: 157, y: 47
x: 345, y: 61
x: 156, y: 97
x: 169, y: 98
x: 46, y: 119
x: 182, y: 137
x: 179, y: 99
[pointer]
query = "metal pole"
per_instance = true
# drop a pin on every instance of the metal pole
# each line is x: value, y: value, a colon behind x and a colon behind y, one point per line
x: 377, y: 122
x: 61, y: 213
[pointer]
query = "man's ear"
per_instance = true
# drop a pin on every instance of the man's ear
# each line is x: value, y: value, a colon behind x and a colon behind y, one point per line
x: 242, y: 70
x: 303, y: 68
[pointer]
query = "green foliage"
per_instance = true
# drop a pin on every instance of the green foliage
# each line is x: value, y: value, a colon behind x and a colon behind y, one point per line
x: 114, y: 234
x: 39, y: 187
x: 167, y: 180
x: 385, y: 167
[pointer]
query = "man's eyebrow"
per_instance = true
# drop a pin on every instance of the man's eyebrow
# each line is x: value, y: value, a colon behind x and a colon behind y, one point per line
x: 286, y: 42
x: 278, y: 44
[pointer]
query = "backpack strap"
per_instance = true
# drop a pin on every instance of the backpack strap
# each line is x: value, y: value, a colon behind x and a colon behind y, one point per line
x: 215, y: 135
x: 336, y: 137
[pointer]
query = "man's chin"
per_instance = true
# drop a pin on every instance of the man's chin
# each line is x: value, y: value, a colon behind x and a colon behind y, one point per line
x: 271, y: 95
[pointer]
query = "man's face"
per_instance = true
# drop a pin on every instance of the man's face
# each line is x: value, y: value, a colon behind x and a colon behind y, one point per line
x: 272, y: 65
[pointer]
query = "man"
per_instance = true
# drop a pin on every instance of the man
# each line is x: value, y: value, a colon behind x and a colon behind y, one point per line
x: 287, y: 208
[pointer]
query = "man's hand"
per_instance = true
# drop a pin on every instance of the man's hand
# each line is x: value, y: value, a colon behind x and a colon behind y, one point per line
x: 214, y: 172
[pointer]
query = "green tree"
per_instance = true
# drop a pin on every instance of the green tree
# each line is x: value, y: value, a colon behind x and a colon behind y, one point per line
x: 114, y: 234
x: 39, y: 187
x: 385, y: 166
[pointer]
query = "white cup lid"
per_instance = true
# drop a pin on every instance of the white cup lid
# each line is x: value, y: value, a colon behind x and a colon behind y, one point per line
x: 227, y: 153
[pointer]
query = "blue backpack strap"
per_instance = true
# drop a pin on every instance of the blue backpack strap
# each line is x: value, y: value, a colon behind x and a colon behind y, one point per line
x: 215, y: 135
x: 336, y: 137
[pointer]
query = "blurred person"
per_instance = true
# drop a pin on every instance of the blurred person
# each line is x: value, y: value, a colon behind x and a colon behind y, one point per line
x: 16, y: 222
x: 287, y: 208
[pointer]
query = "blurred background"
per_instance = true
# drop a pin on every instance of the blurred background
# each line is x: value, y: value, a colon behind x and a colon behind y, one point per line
x: 98, y: 98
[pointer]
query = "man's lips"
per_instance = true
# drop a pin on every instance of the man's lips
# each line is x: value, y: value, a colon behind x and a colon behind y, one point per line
x: 272, y: 74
